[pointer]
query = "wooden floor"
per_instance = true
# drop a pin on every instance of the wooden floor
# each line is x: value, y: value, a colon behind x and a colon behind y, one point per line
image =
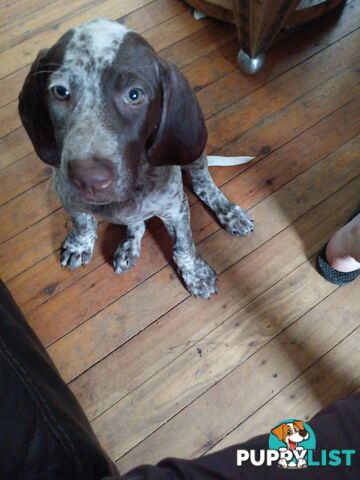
x: 158, y: 372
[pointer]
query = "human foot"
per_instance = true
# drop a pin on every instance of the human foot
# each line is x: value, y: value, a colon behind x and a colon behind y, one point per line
x: 343, y: 248
x: 339, y: 260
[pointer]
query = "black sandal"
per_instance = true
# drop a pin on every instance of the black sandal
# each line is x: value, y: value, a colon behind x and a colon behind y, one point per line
x: 329, y: 273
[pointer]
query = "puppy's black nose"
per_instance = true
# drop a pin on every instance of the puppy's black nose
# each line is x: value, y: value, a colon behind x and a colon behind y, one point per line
x: 91, y: 175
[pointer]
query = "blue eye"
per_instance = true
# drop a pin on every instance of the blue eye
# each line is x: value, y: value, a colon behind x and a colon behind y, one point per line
x: 60, y: 92
x: 134, y: 96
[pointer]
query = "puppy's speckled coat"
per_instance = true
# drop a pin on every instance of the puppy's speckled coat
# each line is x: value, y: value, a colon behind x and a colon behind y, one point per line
x: 141, y: 146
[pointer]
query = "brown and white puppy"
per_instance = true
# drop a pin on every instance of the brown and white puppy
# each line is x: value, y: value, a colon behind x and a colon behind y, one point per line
x: 118, y: 123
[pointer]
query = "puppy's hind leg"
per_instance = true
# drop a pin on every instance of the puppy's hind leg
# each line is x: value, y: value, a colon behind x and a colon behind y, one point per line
x: 128, y: 250
x: 78, y: 246
x: 233, y: 218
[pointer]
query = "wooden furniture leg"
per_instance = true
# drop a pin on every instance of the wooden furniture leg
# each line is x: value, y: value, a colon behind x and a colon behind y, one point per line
x: 258, y: 22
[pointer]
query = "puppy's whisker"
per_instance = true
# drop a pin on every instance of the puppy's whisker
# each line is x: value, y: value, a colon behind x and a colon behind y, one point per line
x: 48, y: 65
x: 43, y: 71
x: 50, y: 185
x: 53, y: 63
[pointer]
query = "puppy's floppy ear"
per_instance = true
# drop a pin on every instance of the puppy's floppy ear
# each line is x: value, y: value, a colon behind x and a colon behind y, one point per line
x: 299, y: 424
x: 181, y: 135
x: 280, y: 431
x: 33, y: 107
x: 34, y: 113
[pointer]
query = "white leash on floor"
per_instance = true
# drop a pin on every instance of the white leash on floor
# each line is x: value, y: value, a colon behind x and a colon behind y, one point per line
x: 216, y: 161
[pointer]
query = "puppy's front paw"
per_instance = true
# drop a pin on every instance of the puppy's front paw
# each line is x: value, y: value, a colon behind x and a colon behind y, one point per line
x: 199, y: 278
x: 235, y: 220
x: 126, y: 256
x: 76, y: 251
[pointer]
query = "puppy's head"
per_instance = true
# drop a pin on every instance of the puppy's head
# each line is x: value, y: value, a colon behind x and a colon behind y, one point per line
x: 291, y: 433
x: 100, y: 104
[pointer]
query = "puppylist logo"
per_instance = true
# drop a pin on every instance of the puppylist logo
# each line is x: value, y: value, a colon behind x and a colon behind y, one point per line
x: 292, y: 445
x: 293, y: 439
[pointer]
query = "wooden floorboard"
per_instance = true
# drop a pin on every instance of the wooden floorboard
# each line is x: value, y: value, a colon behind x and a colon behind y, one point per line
x: 148, y: 363
x: 297, y: 399
x: 200, y: 424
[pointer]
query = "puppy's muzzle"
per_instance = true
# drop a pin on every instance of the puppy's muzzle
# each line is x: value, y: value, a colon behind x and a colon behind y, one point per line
x: 93, y: 176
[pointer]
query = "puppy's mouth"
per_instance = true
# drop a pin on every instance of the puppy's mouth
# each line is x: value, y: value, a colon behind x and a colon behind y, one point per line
x: 93, y: 199
x: 96, y: 197
x: 91, y: 195
x: 292, y: 445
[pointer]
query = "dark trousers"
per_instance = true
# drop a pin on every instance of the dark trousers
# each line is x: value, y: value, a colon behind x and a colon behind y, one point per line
x: 44, y: 434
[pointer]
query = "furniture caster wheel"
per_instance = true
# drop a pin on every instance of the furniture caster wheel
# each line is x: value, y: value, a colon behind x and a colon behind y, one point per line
x: 249, y: 65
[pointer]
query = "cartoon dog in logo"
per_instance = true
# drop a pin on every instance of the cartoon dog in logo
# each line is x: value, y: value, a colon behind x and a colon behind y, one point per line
x: 291, y: 433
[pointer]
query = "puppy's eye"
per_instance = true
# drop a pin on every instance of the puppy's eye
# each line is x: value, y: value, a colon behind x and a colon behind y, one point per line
x: 60, y: 92
x: 134, y: 96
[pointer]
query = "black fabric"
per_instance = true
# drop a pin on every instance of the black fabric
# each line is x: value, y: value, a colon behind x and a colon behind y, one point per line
x: 45, y: 435
x: 336, y: 427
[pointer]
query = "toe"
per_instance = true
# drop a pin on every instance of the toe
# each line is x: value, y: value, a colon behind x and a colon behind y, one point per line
x: 237, y: 221
x: 64, y: 258
x: 75, y: 261
x: 121, y: 264
x: 86, y: 257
